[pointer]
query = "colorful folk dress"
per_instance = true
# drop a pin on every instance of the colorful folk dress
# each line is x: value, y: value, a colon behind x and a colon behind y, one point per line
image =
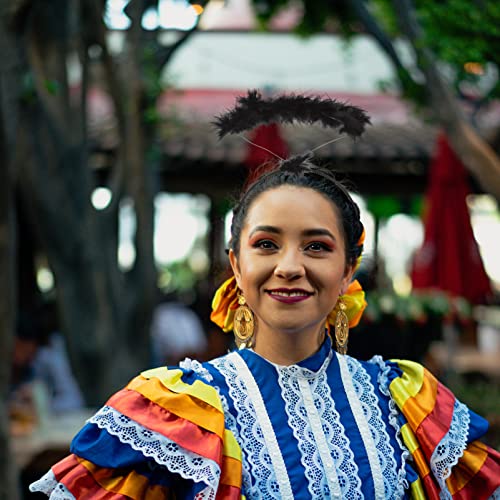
x: 241, y: 427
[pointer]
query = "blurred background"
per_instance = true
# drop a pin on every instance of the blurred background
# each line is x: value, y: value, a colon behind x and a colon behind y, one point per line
x: 116, y: 195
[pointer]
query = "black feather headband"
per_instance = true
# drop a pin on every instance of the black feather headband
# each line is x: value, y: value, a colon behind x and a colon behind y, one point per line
x: 253, y: 110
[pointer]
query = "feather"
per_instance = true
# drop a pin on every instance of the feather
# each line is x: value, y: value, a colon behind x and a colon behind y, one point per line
x: 253, y: 110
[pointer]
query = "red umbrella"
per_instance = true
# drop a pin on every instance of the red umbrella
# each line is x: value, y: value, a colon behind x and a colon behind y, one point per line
x: 449, y: 258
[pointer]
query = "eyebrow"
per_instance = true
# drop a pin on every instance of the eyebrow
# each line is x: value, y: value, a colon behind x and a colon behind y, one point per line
x: 308, y: 232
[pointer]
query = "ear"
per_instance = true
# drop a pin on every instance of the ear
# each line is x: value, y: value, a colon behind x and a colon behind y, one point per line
x: 233, y: 260
x: 346, y: 280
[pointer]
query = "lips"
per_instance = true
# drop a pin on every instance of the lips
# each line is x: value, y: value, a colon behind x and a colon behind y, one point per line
x: 289, y: 295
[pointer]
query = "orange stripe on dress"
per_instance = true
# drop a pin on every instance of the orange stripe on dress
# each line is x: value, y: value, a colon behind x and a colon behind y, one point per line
x: 416, y: 408
x: 231, y: 472
x: 130, y: 485
x: 421, y: 464
x: 183, y: 405
x: 183, y: 432
x: 437, y: 423
x: 485, y: 481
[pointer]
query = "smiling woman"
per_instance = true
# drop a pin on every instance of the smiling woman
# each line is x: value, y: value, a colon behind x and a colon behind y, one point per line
x: 289, y: 415
x: 290, y: 264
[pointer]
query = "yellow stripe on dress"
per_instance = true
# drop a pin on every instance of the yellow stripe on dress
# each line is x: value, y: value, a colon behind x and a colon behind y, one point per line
x: 413, y: 446
x: 172, y: 379
x: 408, y: 385
x: 231, y: 448
x: 417, y: 490
x: 409, y: 438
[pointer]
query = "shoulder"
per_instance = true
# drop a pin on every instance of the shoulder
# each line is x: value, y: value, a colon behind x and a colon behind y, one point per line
x: 166, y: 425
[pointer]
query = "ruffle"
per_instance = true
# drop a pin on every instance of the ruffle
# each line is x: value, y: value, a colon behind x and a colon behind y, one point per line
x: 441, y: 434
x: 164, y: 432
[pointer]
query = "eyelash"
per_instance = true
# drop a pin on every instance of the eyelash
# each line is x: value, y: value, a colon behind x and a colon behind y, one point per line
x: 260, y: 244
x: 323, y: 246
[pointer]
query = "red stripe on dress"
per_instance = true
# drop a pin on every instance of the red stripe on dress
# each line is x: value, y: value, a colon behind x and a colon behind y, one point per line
x: 158, y: 419
x: 430, y: 486
x: 437, y: 423
x: 225, y: 492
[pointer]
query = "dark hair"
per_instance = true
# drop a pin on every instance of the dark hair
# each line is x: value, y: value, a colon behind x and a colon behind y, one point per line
x: 300, y: 172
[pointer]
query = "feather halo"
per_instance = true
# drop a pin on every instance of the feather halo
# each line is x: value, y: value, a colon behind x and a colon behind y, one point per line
x: 253, y: 110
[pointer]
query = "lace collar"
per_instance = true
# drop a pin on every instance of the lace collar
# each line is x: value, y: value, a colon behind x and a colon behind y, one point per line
x: 311, y: 367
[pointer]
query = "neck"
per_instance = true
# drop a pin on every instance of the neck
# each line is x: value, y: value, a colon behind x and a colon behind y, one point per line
x: 288, y: 348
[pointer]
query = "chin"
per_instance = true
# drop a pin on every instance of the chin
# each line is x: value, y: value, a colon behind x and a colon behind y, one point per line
x: 295, y: 328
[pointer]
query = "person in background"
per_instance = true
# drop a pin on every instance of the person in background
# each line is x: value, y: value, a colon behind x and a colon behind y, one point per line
x: 40, y: 360
x: 176, y: 332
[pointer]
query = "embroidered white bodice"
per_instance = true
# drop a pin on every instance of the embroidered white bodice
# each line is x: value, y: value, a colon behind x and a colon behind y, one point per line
x: 323, y: 428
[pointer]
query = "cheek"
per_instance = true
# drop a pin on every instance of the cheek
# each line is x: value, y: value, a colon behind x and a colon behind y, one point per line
x: 332, y: 279
x: 253, y: 272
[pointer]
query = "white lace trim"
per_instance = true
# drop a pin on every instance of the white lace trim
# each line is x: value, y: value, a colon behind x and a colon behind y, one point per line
x: 364, y: 404
x: 49, y: 485
x: 163, y: 450
x: 197, y: 367
x: 273, y: 449
x: 451, y: 447
x: 229, y: 420
x: 262, y: 483
x: 383, y: 382
x: 316, y: 401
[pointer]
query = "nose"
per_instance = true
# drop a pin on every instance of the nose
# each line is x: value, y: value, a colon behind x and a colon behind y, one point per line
x: 289, y: 265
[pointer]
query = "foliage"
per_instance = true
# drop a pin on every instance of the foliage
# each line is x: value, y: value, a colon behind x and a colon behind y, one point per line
x: 383, y: 207
x: 457, y: 31
x: 317, y: 16
x: 417, y: 307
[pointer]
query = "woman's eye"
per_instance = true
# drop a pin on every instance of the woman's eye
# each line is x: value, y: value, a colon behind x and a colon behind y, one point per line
x: 318, y: 247
x: 265, y: 245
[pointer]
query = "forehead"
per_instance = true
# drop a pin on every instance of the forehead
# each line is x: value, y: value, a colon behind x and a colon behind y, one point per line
x: 294, y: 207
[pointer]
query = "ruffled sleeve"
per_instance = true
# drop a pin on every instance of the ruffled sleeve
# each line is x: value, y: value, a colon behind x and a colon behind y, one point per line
x: 442, y: 435
x: 163, y: 436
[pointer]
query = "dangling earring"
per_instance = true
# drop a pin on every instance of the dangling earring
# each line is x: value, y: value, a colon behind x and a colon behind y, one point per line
x: 341, y: 328
x: 243, y: 323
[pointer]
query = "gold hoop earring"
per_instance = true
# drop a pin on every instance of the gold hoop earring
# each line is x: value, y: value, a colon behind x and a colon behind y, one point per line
x: 341, y: 328
x: 243, y: 324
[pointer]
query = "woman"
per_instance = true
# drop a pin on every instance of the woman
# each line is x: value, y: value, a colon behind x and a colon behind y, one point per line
x: 285, y: 416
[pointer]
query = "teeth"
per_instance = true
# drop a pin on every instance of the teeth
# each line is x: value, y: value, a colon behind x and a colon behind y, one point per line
x: 290, y: 294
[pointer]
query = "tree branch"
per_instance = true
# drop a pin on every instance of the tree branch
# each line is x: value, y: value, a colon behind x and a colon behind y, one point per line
x: 164, y: 54
x: 474, y: 152
x: 373, y: 28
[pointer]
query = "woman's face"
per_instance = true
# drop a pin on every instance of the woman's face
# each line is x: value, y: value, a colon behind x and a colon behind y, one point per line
x: 291, y: 265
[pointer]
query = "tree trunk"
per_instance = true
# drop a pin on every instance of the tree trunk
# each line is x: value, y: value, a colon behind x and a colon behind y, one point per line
x: 104, y: 313
x: 80, y: 243
x: 8, y: 107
